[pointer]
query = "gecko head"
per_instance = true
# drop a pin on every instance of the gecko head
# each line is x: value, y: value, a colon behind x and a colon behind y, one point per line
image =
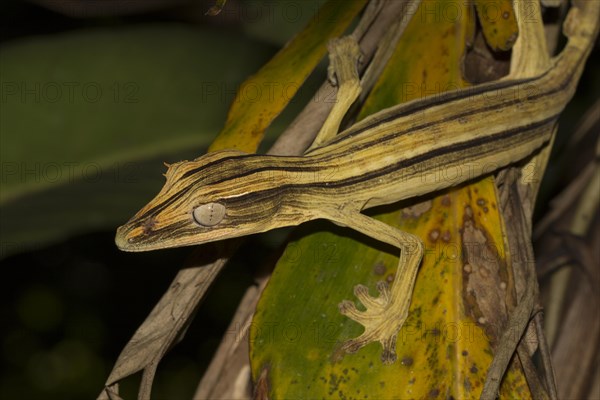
x: 218, y: 196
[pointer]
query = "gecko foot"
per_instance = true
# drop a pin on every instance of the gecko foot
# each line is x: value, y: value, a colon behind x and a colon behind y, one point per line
x: 382, y: 320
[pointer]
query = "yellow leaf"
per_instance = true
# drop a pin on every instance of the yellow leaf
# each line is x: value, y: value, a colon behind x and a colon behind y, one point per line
x: 446, y: 345
x: 263, y: 96
x: 216, y: 8
x: 498, y: 22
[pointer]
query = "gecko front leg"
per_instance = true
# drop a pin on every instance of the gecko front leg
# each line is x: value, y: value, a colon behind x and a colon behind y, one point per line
x: 344, y: 56
x: 386, y: 313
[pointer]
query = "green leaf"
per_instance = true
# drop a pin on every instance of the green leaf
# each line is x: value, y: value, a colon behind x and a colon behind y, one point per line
x: 443, y: 349
x: 278, y: 21
x: 88, y: 116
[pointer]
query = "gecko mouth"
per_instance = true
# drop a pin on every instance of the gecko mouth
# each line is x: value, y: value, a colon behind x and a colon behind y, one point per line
x: 124, y: 239
x: 136, y: 236
x: 147, y: 234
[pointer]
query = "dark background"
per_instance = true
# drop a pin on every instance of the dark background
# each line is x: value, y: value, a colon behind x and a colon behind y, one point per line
x: 70, y: 304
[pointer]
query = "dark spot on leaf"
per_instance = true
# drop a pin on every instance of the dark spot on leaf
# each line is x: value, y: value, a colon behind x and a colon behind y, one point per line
x: 450, y: 350
x: 481, y: 202
x: 416, y: 210
x: 505, y: 15
x: 407, y: 361
x: 474, y: 369
x: 446, y: 236
x: 468, y: 212
x: 433, y: 393
x: 465, y: 353
x: 334, y: 383
x: 379, y: 268
x: 467, y: 384
x: 416, y: 313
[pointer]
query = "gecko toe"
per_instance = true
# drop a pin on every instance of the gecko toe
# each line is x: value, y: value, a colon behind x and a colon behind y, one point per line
x: 388, y: 356
x: 352, y: 346
x: 361, y: 291
x: 347, y: 307
x: 384, y: 289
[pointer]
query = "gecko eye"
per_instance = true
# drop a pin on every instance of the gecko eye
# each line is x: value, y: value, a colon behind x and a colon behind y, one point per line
x: 209, y: 214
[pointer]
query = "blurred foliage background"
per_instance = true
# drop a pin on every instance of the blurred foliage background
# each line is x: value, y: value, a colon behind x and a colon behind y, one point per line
x: 94, y: 97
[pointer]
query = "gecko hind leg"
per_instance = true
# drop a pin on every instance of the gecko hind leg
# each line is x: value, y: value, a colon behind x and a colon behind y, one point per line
x: 384, y: 314
x: 376, y: 309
